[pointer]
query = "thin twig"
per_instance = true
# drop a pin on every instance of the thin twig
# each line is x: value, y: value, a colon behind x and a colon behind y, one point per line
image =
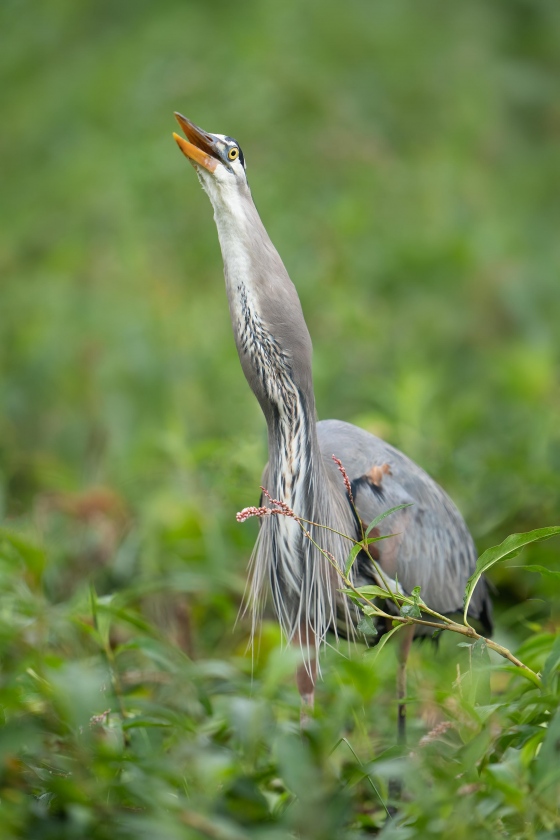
x: 361, y: 766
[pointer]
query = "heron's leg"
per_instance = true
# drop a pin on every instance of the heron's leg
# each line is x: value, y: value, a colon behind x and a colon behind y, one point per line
x: 405, y: 642
x: 306, y: 673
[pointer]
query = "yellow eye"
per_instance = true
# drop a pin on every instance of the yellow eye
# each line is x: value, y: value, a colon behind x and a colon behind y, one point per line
x: 233, y: 153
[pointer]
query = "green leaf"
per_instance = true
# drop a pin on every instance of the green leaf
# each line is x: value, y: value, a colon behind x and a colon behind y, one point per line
x: 410, y: 607
x: 369, y: 540
x: 360, y: 546
x: 510, y: 547
x: 373, y: 592
x: 410, y: 611
x: 33, y: 555
x: 541, y: 570
x: 384, y: 639
x: 351, y: 594
x: 145, y: 721
x: 547, y: 767
x: 382, y: 516
x: 480, y: 673
x: 522, y: 672
x: 552, y: 663
x: 352, y: 557
x: 367, y: 626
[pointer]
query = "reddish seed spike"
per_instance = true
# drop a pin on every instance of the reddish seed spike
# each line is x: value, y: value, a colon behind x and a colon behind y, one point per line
x: 281, y: 509
x: 248, y: 512
x: 347, y: 484
x: 285, y: 509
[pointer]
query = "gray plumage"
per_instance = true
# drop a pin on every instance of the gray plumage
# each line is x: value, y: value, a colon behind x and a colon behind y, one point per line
x: 433, y: 548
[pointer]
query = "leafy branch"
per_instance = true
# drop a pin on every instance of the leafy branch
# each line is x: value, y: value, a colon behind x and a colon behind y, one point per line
x: 411, y: 609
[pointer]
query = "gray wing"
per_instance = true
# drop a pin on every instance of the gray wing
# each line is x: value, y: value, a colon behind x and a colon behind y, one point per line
x: 433, y: 548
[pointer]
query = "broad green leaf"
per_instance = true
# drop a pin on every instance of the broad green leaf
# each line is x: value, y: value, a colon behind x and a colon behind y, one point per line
x: 473, y: 751
x: 382, y: 516
x: 510, y: 547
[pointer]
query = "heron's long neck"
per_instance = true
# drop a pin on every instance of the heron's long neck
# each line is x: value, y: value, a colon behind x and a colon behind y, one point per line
x: 275, y: 352
x: 274, y: 346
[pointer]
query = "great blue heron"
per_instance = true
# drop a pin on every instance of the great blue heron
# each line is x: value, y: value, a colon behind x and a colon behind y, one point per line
x: 433, y: 548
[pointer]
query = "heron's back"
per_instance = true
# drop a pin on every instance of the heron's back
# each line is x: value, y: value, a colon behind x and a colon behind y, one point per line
x: 432, y: 548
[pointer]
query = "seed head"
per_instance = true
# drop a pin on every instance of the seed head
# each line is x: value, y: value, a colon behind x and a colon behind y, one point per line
x: 280, y: 509
x: 347, y: 484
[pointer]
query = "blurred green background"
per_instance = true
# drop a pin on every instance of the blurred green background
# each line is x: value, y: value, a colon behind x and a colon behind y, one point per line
x: 404, y: 157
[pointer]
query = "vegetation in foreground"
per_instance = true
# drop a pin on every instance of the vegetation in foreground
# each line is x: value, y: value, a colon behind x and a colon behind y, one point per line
x: 427, y: 263
x: 111, y: 730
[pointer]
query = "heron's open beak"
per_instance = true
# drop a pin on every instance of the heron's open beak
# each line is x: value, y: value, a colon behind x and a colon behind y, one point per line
x: 199, y: 146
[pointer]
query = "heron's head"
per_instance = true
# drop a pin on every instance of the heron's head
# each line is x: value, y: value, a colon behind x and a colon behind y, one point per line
x: 218, y: 159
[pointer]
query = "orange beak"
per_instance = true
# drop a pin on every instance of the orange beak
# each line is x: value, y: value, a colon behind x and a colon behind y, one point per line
x: 199, y: 147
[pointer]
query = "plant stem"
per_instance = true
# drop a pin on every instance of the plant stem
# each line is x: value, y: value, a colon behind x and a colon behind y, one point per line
x: 299, y: 519
x: 463, y: 630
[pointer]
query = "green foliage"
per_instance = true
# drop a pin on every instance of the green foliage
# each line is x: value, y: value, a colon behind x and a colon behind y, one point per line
x: 510, y: 547
x: 109, y: 729
x: 403, y: 155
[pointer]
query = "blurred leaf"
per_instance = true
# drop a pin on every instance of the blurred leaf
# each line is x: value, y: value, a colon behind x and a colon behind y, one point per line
x: 281, y: 664
x: 551, y: 664
x: 524, y: 673
x: 541, y: 570
x: 243, y: 800
x: 547, y: 766
x: 480, y: 692
x: 33, y: 556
